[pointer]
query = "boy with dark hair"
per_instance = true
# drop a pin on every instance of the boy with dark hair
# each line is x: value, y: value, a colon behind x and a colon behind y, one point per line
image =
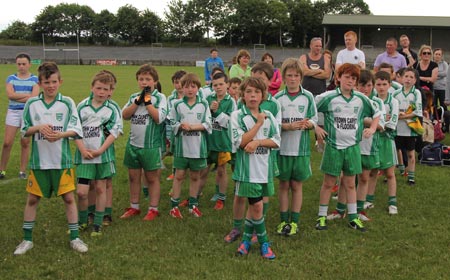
x: 219, y: 141
x: 95, y: 154
x: 147, y: 111
x: 212, y: 62
x: 388, y: 155
x: 50, y: 119
x: 255, y: 132
x: 410, y: 106
x: 190, y: 118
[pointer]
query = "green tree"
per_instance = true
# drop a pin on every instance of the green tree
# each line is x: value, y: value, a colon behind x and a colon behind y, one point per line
x: 345, y: 7
x: 103, y: 27
x: 279, y: 18
x: 174, y: 24
x: 126, y: 26
x: 17, y: 30
x: 150, y: 28
x: 45, y: 23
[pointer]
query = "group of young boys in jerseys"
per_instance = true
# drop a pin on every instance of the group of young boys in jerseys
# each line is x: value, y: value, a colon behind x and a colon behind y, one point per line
x: 233, y: 121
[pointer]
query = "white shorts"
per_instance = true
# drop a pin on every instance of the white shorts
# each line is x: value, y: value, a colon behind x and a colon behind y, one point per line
x: 14, y: 118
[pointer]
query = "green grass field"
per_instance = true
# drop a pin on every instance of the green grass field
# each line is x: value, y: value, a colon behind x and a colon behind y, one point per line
x: 411, y: 245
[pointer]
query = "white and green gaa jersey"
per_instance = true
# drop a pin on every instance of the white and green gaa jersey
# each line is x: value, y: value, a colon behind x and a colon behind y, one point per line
x: 144, y: 131
x: 97, y: 124
x: 190, y: 144
x: 394, y: 86
x: 343, y: 117
x: 62, y: 115
x: 412, y: 98
x: 254, y: 167
x: 391, y: 109
x: 370, y: 146
x: 220, y: 138
x: 171, y: 100
x: 296, y: 108
x: 271, y: 105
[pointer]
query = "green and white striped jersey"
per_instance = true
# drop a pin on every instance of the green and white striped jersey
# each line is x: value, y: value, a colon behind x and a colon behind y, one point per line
x: 370, y: 146
x: 190, y: 144
x: 390, y: 108
x: 343, y: 117
x: 254, y: 167
x: 220, y: 138
x: 293, y: 109
x: 62, y: 115
x: 94, y: 122
x: 413, y: 98
x: 144, y: 131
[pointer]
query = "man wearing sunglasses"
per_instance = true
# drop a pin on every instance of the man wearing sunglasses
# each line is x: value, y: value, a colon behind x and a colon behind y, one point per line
x: 391, y: 56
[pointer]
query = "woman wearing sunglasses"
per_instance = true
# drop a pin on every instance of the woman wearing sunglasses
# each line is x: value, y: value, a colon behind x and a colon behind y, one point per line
x: 428, y: 69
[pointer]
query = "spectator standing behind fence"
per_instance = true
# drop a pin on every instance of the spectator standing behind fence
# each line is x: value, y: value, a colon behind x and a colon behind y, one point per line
x: 428, y: 69
x: 351, y: 54
x: 275, y: 82
x: 315, y: 67
x: 19, y: 88
x: 212, y: 62
x: 391, y: 56
x: 242, y: 68
x: 441, y: 81
x: 405, y: 50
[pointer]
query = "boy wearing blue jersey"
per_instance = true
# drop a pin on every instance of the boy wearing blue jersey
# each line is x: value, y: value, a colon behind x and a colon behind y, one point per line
x: 147, y: 111
x: 299, y: 116
x: 191, y: 120
x: 255, y: 133
x: 95, y: 154
x: 19, y: 88
x: 50, y: 119
x: 344, y: 111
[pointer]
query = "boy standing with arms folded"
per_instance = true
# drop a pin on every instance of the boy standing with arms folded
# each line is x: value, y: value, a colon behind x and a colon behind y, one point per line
x: 299, y: 115
x: 50, y: 119
x: 255, y: 132
x: 95, y: 155
x: 344, y: 111
x: 388, y: 153
x: 191, y: 120
x: 146, y: 111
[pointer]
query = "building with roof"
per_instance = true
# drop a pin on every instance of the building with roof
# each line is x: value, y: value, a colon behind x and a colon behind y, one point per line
x: 373, y: 30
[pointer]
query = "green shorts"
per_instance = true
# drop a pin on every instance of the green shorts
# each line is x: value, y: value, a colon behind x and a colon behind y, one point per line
x: 347, y: 160
x: 96, y: 171
x: 194, y: 164
x: 369, y: 162
x: 296, y: 168
x: 45, y: 182
x: 245, y: 189
x: 388, y: 153
x: 147, y: 159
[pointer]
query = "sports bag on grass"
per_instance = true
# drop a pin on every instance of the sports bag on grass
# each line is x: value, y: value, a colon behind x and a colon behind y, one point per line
x: 438, y: 134
x: 432, y: 154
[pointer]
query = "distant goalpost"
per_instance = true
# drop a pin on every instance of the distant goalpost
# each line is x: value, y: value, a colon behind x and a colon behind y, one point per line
x: 60, y: 47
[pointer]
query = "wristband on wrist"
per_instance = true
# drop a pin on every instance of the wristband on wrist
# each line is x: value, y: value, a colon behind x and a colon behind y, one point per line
x: 148, y: 102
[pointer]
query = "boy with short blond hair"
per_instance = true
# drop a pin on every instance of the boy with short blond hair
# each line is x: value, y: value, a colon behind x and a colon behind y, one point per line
x: 190, y: 118
x: 95, y: 154
x: 299, y: 116
x: 50, y: 119
x: 147, y: 111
